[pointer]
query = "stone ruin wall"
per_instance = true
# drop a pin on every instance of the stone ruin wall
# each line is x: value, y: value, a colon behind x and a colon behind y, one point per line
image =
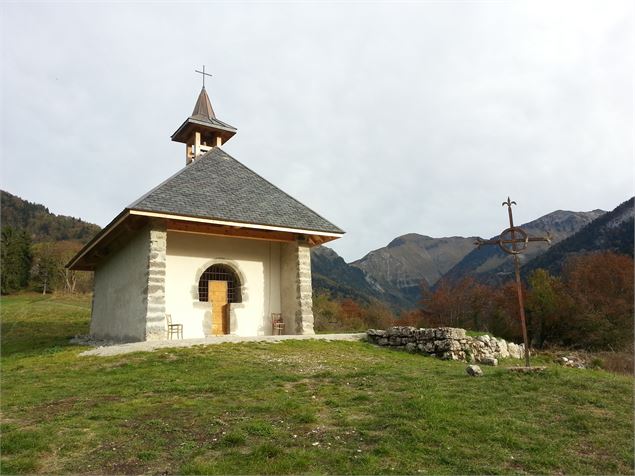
x: 447, y: 343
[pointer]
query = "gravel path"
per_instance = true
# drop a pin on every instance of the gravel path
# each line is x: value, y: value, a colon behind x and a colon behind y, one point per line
x: 149, y: 346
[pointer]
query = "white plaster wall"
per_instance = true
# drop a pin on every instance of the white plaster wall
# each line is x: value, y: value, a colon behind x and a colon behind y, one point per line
x: 119, y: 298
x: 257, y: 263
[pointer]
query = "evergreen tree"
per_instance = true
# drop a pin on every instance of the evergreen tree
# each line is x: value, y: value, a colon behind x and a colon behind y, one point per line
x: 15, y: 259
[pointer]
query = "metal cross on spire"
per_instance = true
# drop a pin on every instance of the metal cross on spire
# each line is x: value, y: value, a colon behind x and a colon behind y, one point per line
x: 513, y: 241
x: 203, y: 73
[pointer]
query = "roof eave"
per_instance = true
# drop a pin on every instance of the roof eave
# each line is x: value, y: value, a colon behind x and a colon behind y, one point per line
x: 181, y: 136
x: 75, y: 261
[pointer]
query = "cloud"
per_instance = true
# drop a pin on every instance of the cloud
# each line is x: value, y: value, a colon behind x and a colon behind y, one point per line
x: 386, y: 119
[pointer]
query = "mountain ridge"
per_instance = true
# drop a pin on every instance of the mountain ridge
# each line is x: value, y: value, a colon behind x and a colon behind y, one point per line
x: 410, y: 261
x: 487, y: 260
x: 387, y: 272
x: 40, y: 223
x: 613, y: 231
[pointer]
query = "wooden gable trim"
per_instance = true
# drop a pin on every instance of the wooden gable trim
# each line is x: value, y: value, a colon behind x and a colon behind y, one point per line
x: 245, y: 233
x: 98, y: 238
x: 228, y: 231
x: 236, y: 224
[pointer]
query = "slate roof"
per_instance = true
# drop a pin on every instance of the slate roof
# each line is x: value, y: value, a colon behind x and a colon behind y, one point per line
x: 217, y: 186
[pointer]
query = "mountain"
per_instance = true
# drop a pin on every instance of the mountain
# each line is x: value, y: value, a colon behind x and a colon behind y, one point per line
x: 395, y: 274
x: 489, y: 262
x: 397, y: 271
x: 40, y: 224
x: 611, y: 231
x: 331, y: 274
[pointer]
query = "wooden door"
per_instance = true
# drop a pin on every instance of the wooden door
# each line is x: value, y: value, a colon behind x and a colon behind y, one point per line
x: 217, y: 292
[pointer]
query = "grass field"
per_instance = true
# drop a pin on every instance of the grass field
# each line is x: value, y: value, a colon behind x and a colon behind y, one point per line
x: 292, y: 407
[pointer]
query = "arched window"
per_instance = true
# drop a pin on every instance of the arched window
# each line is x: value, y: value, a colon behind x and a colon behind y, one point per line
x: 220, y: 272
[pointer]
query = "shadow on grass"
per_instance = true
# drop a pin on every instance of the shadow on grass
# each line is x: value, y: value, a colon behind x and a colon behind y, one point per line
x: 35, y: 324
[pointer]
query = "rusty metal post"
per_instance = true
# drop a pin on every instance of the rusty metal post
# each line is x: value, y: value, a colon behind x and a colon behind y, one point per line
x: 514, y: 241
x: 521, y: 307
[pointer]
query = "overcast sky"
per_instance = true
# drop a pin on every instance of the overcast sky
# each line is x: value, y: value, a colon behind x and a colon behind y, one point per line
x: 385, y: 118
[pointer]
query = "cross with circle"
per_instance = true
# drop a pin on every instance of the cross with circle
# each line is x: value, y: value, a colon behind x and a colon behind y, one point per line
x: 513, y: 241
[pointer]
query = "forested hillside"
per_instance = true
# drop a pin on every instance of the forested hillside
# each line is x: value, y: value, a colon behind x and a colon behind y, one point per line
x: 36, y: 244
x: 40, y: 224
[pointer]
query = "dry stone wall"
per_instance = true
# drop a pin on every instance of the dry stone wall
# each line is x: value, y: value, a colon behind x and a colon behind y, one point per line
x: 448, y: 343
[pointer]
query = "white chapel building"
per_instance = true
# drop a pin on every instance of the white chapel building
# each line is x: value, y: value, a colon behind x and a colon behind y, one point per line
x: 216, y: 248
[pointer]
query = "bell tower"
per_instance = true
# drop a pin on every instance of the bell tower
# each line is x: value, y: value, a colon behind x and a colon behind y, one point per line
x: 202, y: 130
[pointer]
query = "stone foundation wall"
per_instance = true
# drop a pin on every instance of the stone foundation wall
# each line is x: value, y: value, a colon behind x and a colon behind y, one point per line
x: 447, y: 343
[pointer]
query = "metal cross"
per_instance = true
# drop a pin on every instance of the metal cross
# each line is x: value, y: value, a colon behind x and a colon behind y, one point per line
x: 203, y: 73
x: 513, y: 241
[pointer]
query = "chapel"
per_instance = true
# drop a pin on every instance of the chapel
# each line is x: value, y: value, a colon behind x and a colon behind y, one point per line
x: 215, y: 249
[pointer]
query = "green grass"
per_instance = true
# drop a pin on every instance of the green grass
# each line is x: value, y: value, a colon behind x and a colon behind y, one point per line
x: 475, y: 333
x: 292, y: 407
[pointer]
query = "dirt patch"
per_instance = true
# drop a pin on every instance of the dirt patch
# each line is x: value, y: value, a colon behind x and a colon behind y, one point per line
x: 50, y: 410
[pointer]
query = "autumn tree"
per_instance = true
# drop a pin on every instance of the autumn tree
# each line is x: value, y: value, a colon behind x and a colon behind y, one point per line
x: 70, y: 281
x: 502, y: 318
x: 377, y: 315
x: 326, y: 313
x: 348, y: 315
x: 45, y: 271
x: 466, y: 303
x: 600, y: 286
x: 542, y: 303
x: 589, y: 306
x: 350, y: 309
x: 413, y: 317
x: 443, y: 306
x: 49, y: 272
